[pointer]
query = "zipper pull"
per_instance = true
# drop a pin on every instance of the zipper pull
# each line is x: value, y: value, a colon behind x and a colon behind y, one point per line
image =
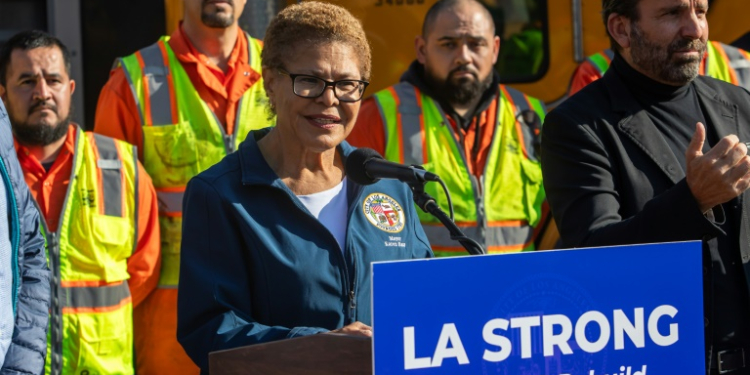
x: 352, y: 301
x: 228, y: 144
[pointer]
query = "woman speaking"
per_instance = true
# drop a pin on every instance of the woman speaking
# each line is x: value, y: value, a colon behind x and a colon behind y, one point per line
x: 277, y: 242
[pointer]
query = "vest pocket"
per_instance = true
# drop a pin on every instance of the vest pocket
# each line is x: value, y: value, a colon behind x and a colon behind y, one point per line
x: 112, y: 230
x: 171, y: 153
x: 106, y: 342
x: 99, y: 246
x: 116, y: 234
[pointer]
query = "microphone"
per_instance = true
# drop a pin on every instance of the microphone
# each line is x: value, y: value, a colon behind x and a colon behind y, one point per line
x: 365, y: 167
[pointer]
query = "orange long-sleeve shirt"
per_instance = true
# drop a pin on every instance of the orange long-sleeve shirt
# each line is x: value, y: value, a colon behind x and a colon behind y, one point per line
x: 369, y: 131
x: 116, y: 111
x: 584, y: 74
x: 50, y: 188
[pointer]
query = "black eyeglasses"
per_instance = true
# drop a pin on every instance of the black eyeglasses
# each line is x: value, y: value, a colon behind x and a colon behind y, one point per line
x: 306, y: 86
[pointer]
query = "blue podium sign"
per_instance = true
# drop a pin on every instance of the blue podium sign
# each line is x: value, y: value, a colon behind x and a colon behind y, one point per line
x: 625, y: 310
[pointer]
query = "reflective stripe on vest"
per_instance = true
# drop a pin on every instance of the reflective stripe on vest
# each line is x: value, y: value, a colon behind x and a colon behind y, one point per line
x: 159, y: 105
x: 601, y: 60
x: 181, y: 135
x: 91, y: 306
x: 417, y: 132
x: 511, y: 235
x: 717, y: 64
x: 95, y: 298
x: 170, y: 202
x: 738, y: 64
x: 110, y: 168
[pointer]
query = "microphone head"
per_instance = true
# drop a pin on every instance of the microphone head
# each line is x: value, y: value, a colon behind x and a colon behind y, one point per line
x: 355, y: 165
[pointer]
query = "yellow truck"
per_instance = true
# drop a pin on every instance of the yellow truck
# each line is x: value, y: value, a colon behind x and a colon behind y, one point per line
x: 542, y: 40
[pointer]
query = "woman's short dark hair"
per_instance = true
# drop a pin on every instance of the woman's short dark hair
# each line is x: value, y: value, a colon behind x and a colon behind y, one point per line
x: 311, y: 23
x: 625, y: 8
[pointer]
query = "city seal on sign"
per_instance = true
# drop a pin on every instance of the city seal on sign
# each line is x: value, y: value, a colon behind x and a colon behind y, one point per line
x: 384, y: 212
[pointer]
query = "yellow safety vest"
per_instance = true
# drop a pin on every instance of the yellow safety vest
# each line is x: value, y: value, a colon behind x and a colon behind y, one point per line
x: 729, y: 64
x: 91, y: 314
x: 181, y: 135
x: 502, y: 209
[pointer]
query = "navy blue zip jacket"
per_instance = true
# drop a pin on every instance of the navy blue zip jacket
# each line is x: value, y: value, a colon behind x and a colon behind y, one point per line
x: 31, y: 292
x: 256, y: 266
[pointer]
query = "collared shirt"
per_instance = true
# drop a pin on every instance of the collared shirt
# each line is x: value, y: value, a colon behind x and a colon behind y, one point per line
x: 49, y: 189
x: 117, y: 113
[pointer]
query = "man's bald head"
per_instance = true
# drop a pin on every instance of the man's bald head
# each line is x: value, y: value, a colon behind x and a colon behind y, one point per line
x: 449, y: 5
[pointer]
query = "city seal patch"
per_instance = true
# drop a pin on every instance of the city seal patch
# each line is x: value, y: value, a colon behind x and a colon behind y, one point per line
x: 384, y: 212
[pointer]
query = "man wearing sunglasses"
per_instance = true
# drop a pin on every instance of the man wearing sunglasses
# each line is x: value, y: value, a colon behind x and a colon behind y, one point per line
x: 450, y: 114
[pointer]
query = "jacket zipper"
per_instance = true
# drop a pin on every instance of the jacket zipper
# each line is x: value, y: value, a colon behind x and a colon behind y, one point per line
x: 477, y: 185
x: 229, y: 139
x: 348, y: 290
x: 53, y: 245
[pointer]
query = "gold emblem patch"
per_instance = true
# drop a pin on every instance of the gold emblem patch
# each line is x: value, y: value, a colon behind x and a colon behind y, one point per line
x: 384, y: 212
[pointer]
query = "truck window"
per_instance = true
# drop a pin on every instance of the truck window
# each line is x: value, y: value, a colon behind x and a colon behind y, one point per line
x: 522, y: 27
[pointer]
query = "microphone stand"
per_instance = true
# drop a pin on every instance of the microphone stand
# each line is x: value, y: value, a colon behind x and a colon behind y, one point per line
x: 427, y: 204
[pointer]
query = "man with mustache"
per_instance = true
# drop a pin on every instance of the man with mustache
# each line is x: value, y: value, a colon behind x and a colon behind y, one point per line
x: 186, y: 102
x: 720, y: 61
x: 654, y: 152
x: 99, y: 208
x: 450, y: 114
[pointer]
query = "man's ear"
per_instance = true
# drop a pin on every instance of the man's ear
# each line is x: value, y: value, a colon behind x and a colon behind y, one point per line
x: 420, y: 45
x: 72, y: 86
x: 619, y: 28
x: 495, y: 49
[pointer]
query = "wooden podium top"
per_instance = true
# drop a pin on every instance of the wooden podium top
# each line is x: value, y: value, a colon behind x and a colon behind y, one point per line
x: 320, y: 354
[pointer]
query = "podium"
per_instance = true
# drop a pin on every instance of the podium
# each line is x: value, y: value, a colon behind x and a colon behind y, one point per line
x: 321, y: 354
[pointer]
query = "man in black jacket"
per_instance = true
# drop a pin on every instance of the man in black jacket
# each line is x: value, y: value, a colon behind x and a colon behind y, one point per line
x: 653, y: 153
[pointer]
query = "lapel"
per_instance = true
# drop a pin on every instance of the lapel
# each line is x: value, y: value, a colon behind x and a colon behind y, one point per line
x: 638, y: 127
x: 724, y: 117
x: 720, y: 114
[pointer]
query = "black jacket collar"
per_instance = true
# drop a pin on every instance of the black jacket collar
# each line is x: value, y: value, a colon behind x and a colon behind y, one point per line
x: 720, y: 114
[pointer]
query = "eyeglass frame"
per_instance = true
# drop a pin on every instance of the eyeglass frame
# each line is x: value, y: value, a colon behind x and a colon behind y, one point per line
x: 326, y: 84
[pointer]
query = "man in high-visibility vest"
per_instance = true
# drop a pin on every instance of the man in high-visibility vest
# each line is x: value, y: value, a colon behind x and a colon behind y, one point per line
x: 186, y: 102
x: 721, y: 61
x: 99, y: 206
x: 450, y: 114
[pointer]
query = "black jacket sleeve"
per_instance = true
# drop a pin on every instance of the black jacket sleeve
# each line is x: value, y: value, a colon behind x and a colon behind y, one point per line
x: 591, y: 190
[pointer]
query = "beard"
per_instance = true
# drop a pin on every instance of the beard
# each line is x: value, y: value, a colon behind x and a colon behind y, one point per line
x: 659, y: 62
x: 459, y: 91
x: 217, y: 19
x: 39, y: 134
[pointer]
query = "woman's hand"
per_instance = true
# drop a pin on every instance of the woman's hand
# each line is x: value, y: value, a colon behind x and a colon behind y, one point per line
x: 355, y: 329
